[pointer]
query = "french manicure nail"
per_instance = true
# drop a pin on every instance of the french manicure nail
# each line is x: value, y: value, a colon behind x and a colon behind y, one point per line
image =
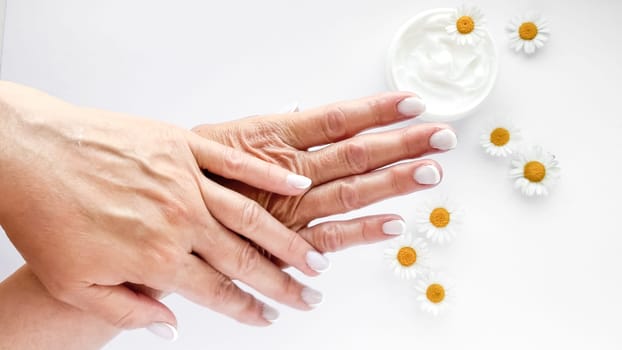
x: 163, y: 330
x: 298, y: 181
x: 394, y: 227
x: 311, y: 297
x: 427, y: 175
x: 317, y: 261
x: 411, y: 106
x: 444, y: 140
x: 269, y: 313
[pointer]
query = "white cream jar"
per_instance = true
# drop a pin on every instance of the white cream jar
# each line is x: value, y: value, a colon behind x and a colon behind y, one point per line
x: 452, y: 79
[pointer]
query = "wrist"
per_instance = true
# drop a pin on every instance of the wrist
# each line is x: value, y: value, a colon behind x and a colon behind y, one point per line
x: 27, y: 130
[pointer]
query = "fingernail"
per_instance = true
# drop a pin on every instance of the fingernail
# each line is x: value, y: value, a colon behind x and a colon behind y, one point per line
x: 269, y: 313
x: 444, y: 140
x: 394, y: 227
x: 427, y: 175
x: 163, y: 330
x: 298, y: 181
x: 411, y: 106
x: 311, y: 297
x: 317, y: 261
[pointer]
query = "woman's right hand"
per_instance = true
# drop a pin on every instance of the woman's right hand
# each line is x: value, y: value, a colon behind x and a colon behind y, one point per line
x: 94, y: 200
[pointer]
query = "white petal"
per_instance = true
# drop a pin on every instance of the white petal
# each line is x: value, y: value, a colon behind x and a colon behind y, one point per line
x: 520, y: 45
x: 530, y: 47
x: 543, y: 28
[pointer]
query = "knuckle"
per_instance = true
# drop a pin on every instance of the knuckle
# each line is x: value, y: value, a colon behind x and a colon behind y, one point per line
x: 331, y: 238
x: 251, y: 214
x: 335, y: 122
x: 165, y: 254
x: 375, y: 107
x: 366, y: 230
x: 397, y: 186
x: 223, y: 291
x: 348, y: 196
x: 248, y: 259
x: 234, y: 161
x: 355, y: 155
x: 413, y: 142
x: 175, y: 212
x: 165, y: 259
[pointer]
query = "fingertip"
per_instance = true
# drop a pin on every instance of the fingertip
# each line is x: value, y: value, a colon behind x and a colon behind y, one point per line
x: 427, y: 174
x: 444, y: 139
x: 394, y: 227
x: 269, y: 314
x: 317, y: 262
x: 298, y: 183
x: 311, y: 297
x: 411, y: 106
x: 164, y: 330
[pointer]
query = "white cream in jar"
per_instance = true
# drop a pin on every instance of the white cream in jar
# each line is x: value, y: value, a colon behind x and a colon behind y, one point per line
x: 452, y: 79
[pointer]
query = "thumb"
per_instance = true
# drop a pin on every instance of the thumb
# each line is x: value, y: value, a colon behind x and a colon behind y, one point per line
x: 127, y: 309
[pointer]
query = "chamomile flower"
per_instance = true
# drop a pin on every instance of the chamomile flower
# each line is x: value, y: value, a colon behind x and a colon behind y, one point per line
x: 528, y: 33
x: 407, y: 256
x: 466, y: 25
x: 500, y: 138
x: 439, y: 221
x: 434, y: 292
x: 535, y: 171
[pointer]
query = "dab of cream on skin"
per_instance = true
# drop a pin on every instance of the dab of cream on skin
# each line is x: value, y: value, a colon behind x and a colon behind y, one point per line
x: 452, y: 78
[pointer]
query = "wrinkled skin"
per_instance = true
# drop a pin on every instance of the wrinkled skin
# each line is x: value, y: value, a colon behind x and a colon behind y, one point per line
x: 343, y: 173
x: 352, y: 181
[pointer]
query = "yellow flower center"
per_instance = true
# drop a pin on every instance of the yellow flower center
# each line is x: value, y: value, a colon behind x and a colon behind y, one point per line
x: 406, y: 256
x: 528, y: 31
x: 465, y: 25
x: 534, y: 171
x: 439, y: 217
x: 500, y: 137
x: 435, y: 293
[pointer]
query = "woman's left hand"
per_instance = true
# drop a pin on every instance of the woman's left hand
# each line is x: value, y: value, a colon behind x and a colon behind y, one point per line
x: 346, y: 174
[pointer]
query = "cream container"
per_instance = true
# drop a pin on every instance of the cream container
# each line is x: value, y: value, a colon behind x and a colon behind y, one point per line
x: 452, y: 79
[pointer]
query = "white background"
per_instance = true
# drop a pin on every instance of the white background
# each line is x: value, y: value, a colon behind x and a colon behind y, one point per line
x: 531, y: 274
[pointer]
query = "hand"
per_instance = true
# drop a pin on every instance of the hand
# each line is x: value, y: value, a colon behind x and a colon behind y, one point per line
x: 95, y: 199
x: 346, y: 173
x: 345, y: 169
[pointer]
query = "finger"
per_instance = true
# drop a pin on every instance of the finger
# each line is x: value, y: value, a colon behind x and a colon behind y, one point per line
x: 246, y: 217
x: 341, y: 120
x: 240, y: 260
x: 334, y: 236
x: 372, y: 151
x: 201, y: 284
x: 357, y: 191
x: 235, y: 164
x: 125, y: 308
